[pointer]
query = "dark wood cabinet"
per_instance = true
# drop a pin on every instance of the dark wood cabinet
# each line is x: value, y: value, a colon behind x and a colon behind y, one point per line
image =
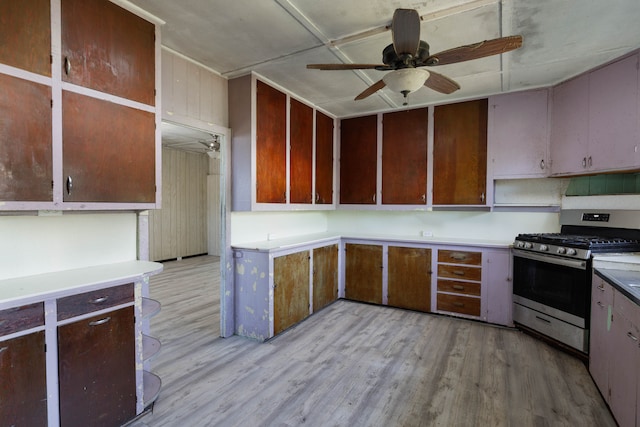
x: 25, y: 35
x: 107, y: 160
x: 459, y: 282
x: 460, y: 153
x: 325, y: 276
x: 109, y: 49
x: 409, y: 278
x: 301, y: 152
x: 96, y: 364
x: 291, y: 290
x: 358, y: 160
x: 324, y: 159
x: 271, y: 144
x: 404, y: 157
x: 25, y: 140
x: 363, y: 273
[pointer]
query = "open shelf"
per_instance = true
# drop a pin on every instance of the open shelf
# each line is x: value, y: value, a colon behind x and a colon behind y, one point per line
x: 152, y: 384
x: 150, y: 347
x: 150, y: 307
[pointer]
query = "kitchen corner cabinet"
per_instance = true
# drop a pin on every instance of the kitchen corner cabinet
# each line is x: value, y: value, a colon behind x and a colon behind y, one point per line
x: 363, y: 272
x: 404, y: 157
x: 594, y: 121
x: 70, y: 346
x: 276, y: 289
x: 460, y: 153
x: 358, y: 160
x: 107, y: 61
x: 275, y: 141
x: 518, y: 135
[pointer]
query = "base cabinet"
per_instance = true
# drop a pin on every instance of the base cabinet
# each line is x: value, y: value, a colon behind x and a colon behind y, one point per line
x: 409, y: 278
x: 290, y: 290
x: 459, y: 282
x: 363, y: 273
x: 325, y: 276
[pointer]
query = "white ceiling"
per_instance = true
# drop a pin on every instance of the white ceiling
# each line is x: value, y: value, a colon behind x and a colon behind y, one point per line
x: 277, y: 38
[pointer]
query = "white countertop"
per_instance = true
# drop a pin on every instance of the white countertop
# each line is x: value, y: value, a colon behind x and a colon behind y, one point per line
x: 30, y: 289
x: 627, y: 261
x: 312, y: 239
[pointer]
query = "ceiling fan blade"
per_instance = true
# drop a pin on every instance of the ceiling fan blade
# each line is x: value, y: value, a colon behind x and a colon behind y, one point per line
x: 475, y: 51
x: 440, y: 83
x: 344, y: 66
x: 371, y: 90
x: 405, y: 30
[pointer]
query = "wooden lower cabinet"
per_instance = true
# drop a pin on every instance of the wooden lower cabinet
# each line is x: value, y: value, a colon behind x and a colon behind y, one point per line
x: 290, y: 290
x: 325, y: 276
x: 23, y: 385
x: 363, y: 272
x: 96, y: 363
x: 409, y: 278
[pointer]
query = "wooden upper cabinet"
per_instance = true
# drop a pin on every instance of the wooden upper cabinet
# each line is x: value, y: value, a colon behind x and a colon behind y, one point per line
x: 358, y: 160
x: 107, y: 160
x: 271, y: 144
x: 460, y: 153
x: 109, y: 49
x: 324, y: 159
x: 404, y: 157
x: 301, y: 152
x: 25, y: 140
x: 25, y: 35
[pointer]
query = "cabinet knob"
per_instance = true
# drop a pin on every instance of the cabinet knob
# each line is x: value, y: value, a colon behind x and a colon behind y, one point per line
x: 584, y: 162
x: 69, y: 184
x: 542, y: 165
x: 482, y: 197
x: 67, y: 65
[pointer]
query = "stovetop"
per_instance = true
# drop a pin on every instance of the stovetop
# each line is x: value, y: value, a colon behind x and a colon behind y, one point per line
x: 575, y: 246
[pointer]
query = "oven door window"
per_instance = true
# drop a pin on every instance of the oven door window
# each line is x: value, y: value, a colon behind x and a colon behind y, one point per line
x: 564, y: 288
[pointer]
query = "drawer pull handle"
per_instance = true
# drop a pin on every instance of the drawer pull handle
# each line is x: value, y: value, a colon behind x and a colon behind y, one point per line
x: 99, y: 322
x: 99, y: 300
x: 458, y: 304
x: 458, y: 272
x: 601, y: 287
x: 69, y: 185
x: 544, y: 320
x: 458, y: 256
x: 3, y: 349
x: 601, y: 305
x: 458, y: 287
x: 630, y: 335
x: 67, y: 65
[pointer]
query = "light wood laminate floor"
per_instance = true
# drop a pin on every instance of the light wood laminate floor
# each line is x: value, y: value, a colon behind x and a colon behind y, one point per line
x: 354, y: 364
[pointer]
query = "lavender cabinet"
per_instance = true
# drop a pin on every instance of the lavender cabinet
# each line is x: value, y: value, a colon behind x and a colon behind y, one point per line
x: 518, y: 134
x: 601, y: 306
x: 594, y: 121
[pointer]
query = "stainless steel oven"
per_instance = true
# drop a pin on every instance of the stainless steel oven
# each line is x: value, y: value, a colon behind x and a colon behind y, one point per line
x: 552, y: 272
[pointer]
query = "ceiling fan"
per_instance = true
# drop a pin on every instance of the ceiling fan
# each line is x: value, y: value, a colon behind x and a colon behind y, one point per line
x: 406, y: 56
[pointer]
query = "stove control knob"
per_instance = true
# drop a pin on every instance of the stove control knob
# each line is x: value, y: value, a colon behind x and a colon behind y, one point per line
x: 519, y: 244
x: 528, y: 245
x: 571, y: 251
x: 561, y: 251
x: 544, y: 248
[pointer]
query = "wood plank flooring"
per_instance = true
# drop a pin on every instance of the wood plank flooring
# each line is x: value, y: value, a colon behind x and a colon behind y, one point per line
x: 355, y: 364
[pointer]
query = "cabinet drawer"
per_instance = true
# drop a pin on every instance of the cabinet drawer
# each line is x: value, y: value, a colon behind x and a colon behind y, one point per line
x: 459, y: 304
x: 88, y: 302
x: 18, y: 319
x: 625, y: 307
x: 456, y: 287
x: 460, y: 257
x: 459, y: 272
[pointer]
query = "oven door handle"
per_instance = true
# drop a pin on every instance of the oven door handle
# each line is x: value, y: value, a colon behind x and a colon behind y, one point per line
x: 572, y: 263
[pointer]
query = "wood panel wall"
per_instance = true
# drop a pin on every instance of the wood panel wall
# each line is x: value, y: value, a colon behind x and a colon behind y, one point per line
x: 179, y: 229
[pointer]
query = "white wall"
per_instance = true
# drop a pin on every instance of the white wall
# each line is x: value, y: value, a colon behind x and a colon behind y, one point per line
x: 42, y: 244
x: 257, y: 226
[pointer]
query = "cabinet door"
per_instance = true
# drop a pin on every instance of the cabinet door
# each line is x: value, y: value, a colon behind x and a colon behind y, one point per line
x: 23, y: 390
x: 291, y: 290
x: 324, y: 159
x: 107, y: 160
x: 409, y: 278
x: 109, y: 49
x: 599, y: 337
x: 519, y: 134
x: 301, y: 152
x: 569, y: 127
x: 358, y: 160
x: 96, y: 367
x: 460, y: 153
x: 25, y: 35
x: 271, y: 145
x: 325, y: 276
x: 613, y: 116
x: 623, y: 368
x: 363, y: 273
x: 404, y: 157
x: 25, y: 140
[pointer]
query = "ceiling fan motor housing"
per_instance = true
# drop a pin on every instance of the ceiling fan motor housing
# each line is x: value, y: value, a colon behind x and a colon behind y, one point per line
x: 391, y: 58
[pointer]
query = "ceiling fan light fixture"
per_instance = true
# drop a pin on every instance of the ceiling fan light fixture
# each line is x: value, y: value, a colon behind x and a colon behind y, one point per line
x: 406, y: 80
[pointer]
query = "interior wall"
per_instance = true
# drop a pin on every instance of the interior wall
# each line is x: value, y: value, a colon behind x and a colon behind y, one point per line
x: 179, y: 228
x: 44, y: 244
x: 259, y: 226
